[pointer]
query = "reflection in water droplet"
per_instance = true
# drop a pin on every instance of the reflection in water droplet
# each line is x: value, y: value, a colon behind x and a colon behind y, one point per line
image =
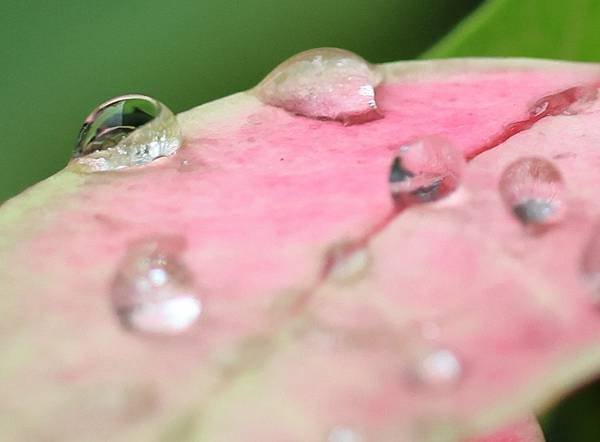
x: 325, y: 83
x: 568, y: 102
x: 532, y: 188
x: 126, y: 131
x: 153, y: 290
x: 425, y: 170
x: 343, y: 434
x: 440, y: 367
x: 590, y: 263
x: 346, y: 262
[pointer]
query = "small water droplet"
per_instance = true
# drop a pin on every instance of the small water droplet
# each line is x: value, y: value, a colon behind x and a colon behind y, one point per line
x: 590, y: 263
x: 568, y: 102
x: 255, y: 120
x: 325, y: 83
x: 532, y: 189
x: 130, y: 130
x: 153, y: 291
x: 438, y: 368
x: 343, y: 434
x: 346, y: 262
x: 187, y: 165
x: 565, y: 155
x: 425, y: 170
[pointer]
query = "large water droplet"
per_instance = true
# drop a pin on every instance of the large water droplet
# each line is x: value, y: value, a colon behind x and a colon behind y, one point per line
x: 568, y: 102
x: 532, y: 188
x: 346, y: 262
x: 425, y: 170
x: 590, y: 263
x: 153, y: 291
x: 129, y: 130
x: 325, y: 83
x: 438, y: 368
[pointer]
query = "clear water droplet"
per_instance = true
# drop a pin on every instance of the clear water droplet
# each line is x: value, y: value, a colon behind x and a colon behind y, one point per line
x: 532, y: 189
x: 153, y: 291
x: 346, y: 262
x: 324, y: 83
x: 425, y: 170
x: 590, y: 264
x: 440, y: 367
x: 187, y: 165
x: 568, y: 102
x: 344, y: 434
x: 130, y: 130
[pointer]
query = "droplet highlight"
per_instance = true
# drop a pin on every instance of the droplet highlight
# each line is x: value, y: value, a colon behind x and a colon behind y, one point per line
x: 153, y: 290
x: 346, y: 262
x: 532, y: 189
x: 126, y: 131
x: 568, y: 102
x: 324, y: 83
x: 590, y: 264
x: 425, y: 170
x: 187, y: 165
x: 439, y: 368
x: 343, y: 434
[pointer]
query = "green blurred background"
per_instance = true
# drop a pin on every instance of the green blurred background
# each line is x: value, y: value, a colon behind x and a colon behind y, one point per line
x: 59, y: 60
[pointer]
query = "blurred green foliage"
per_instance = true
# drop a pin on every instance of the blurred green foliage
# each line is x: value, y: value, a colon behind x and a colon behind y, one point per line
x: 60, y: 59
x: 557, y: 29
x: 576, y: 418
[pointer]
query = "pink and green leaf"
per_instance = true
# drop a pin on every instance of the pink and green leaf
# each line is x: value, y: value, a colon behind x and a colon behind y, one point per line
x: 281, y: 352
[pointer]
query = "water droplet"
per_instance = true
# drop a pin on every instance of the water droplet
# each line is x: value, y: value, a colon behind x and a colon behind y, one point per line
x: 440, y: 367
x: 153, y: 291
x: 186, y: 165
x: 126, y: 131
x: 343, y: 434
x: 425, y: 170
x: 565, y: 155
x: 568, y: 102
x: 325, y: 83
x: 346, y: 262
x: 532, y: 188
x: 590, y: 263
